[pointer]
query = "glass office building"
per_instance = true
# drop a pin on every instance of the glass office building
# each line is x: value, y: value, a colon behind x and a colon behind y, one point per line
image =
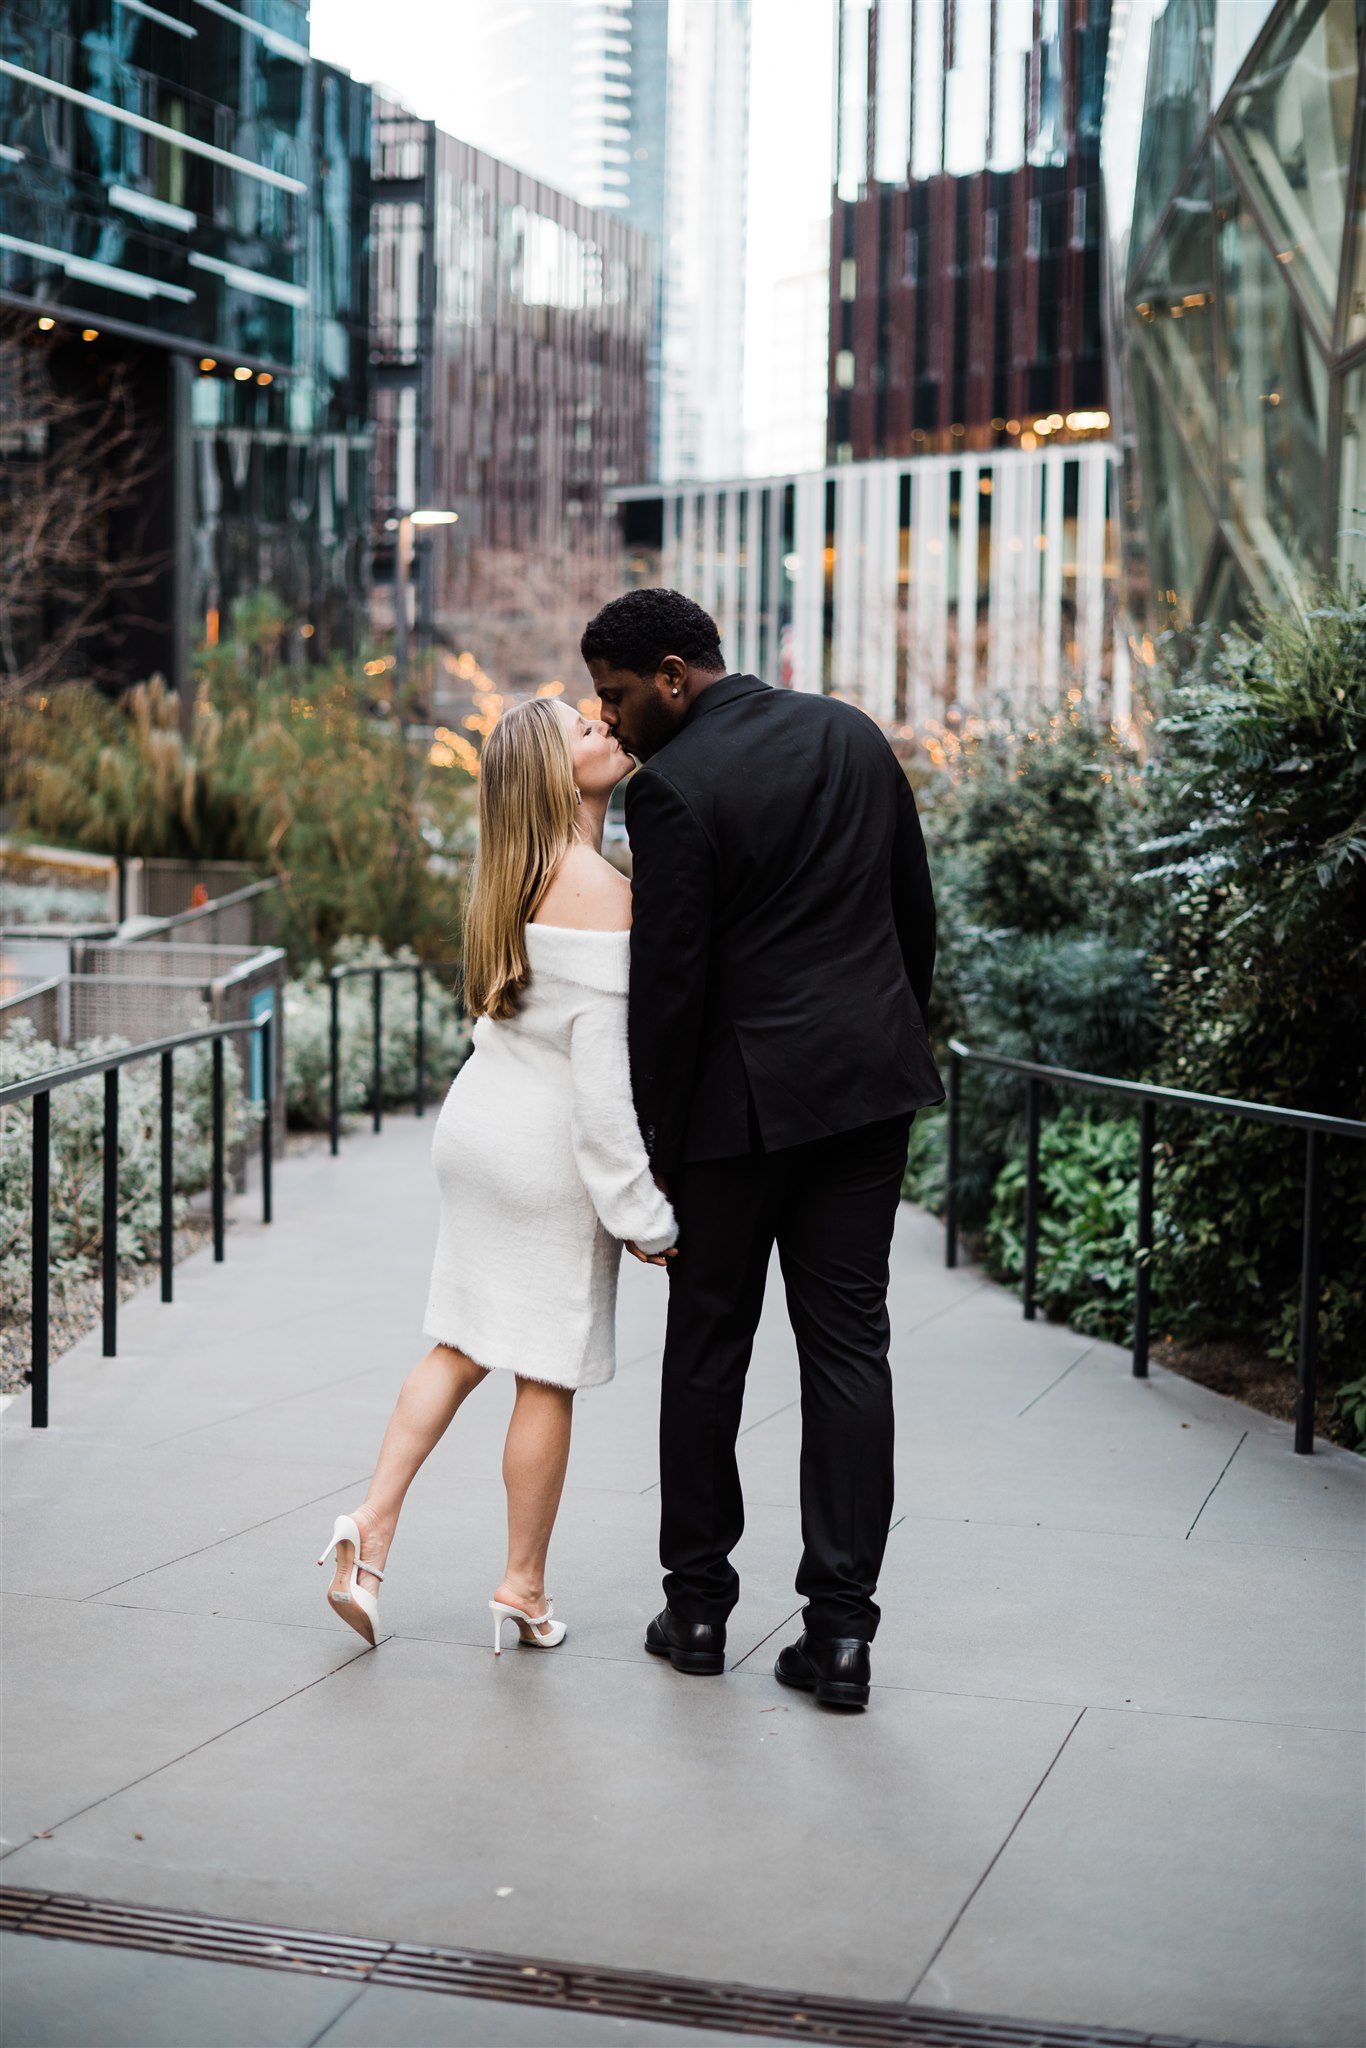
x: 510, y: 330
x: 966, y: 293
x: 184, y: 196
x: 1236, y: 185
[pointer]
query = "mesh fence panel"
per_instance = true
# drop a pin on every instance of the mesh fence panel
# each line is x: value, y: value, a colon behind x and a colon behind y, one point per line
x: 40, y: 1004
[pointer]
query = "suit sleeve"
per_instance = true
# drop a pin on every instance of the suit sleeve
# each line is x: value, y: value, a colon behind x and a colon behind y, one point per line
x: 913, y: 897
x: 672, y: 895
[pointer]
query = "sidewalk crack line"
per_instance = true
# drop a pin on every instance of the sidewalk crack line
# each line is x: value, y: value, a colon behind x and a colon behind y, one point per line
x: 345, y: 1486
x: 954, y: 1923
x: 1058, y: 1381
x: 1214, y: 1489
x: 193, y: 1750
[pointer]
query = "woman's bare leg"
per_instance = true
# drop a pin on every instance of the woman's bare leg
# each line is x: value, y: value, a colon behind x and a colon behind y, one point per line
x: 427, y: 1402
x: 534, y: 1461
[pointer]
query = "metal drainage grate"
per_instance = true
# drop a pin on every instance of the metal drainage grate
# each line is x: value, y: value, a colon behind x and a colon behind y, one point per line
x: 560, y: 1987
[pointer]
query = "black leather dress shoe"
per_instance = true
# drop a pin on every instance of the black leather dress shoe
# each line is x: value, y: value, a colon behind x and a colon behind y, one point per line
x: 695, y: 1646
x: 837, y: 1669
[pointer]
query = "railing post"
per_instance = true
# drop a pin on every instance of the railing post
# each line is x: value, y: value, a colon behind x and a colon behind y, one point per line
x: 1309, y: 1294
x: 334, y: 1063
x: 38, y: 1278
x: 1143, y: 1270
x: 377, y: 1081
x: 952, y: 1168
x: 420, y: 1076
x: 218, y: 1151
x: 268, y: 1102
x: 167, y: 1175
x: 110, y: 1225
x: 1031, y: 1244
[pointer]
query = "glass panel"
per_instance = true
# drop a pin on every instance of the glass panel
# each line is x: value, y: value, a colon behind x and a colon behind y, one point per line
x: 927, y: 84
x: 1290, y: 128
x: 1237, y: 25
x: 1175, y: 107
x: 1180, y: 524
x: 853, y: 100
x: 1229, y: 601
x: 1274, y: 401
x: 1354, y: 313
x: 1174, y: 310
x: 892, y: 147
x: 1351, y: 505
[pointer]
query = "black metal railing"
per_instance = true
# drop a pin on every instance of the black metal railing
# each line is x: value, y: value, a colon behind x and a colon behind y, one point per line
x: 38, y: 1088
x: 419, y: 969
x: 1149, y: 1097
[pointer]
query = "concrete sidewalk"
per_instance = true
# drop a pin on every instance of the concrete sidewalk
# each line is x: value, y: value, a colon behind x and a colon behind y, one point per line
x: 1110, y: 1774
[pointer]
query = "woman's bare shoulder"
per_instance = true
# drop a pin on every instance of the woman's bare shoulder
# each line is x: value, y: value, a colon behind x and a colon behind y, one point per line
x: 587, y: 894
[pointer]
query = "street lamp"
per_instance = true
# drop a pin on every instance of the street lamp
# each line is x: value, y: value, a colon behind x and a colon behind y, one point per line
x: 400, y: 524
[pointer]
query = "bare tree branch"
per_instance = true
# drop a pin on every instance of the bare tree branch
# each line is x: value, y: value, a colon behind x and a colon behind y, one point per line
x: 76, y: 471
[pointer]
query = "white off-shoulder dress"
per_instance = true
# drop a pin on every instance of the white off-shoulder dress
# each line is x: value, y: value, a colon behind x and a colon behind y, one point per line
x: 543, y: 1173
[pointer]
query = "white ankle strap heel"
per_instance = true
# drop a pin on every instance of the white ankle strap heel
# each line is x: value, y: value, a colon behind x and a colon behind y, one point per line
x: 529, y: 1627
x: 346, y: 1596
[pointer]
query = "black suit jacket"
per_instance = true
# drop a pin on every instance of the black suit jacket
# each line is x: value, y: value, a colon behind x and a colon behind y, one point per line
x: 782, y: 944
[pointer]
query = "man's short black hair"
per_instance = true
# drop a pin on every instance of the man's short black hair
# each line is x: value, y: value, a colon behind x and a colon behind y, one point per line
x: 636, y: 631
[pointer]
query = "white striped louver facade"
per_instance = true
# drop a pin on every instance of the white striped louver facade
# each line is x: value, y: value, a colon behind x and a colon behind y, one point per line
x: 912, y: 586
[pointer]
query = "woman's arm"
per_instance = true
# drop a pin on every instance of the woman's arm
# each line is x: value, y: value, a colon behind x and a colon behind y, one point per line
x: 606, y: 1138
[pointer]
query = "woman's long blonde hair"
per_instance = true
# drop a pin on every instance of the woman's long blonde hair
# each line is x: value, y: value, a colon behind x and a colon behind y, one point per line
x: 528, y: 810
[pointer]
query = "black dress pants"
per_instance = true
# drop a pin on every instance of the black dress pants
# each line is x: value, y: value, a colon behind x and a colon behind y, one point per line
x: 830, y: 1207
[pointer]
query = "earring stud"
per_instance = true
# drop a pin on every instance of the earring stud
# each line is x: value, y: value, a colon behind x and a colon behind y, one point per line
x: 675, y: 689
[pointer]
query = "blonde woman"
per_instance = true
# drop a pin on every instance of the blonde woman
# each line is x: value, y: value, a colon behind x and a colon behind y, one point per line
x: 539, y: 1160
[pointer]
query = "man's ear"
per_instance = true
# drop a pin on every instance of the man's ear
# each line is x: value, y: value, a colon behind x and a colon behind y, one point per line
x: 671, y: 672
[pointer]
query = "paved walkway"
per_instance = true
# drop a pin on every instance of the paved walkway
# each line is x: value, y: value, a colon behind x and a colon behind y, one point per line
x: 1110, y: 1774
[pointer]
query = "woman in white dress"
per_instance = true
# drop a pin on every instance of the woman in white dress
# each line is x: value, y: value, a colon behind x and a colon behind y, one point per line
x: 541, y: 1169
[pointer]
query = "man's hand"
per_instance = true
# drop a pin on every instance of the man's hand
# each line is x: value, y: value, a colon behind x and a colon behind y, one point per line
x: 652, y: 1258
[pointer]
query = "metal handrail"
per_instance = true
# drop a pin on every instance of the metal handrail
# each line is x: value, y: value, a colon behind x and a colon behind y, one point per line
x: 38, y: 1089
x: 1148, y: 1095
x: 336, y: 976
x: 199, y: 913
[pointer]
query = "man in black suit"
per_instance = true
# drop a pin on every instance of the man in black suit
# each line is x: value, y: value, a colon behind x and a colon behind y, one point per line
x: 782, y: 949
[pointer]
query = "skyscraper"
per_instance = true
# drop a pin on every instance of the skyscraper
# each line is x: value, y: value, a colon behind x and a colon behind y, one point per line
x: 183, y: 203
x: 966, y: 294
x: 639, y: 107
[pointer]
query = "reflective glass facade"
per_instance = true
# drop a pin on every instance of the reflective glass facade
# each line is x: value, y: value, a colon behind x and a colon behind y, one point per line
x: 1234, y: 178
x: 966, y: 288
x: 208, y: 233
x: 510, y: 329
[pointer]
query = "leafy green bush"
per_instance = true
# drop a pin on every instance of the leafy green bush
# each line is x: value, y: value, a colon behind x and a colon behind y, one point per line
x: 307, y: 1037
x: 1088, y: 1223
x: 77, y: 1153
x: 1031, y: 829
x: 1351, y: 1408
x: 1257, y: 871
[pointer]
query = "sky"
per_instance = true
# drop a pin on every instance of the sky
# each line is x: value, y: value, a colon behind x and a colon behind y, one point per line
x: 399, y: 43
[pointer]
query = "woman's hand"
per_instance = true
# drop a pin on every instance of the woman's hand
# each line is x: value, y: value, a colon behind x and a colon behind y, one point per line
x: 651, y: 1258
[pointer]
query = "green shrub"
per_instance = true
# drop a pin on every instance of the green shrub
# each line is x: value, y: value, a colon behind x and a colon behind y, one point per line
x: 77, y: 1153
x: 307, y: 1037
x: 1257, y: 870
x: 293, y: 769
x: 1351, y: 1408
x: 1031, y: 829
x: 1088, y: 1223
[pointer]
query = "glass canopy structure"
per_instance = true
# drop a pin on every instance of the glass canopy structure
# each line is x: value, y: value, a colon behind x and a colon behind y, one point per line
x: 1236, y: 191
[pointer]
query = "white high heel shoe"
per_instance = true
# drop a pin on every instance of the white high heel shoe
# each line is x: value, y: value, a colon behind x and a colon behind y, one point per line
x: 529, y: 1627
x: 346, y: 1596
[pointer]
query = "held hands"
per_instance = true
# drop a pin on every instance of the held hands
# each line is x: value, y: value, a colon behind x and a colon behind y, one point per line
x: 651, y: 1258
